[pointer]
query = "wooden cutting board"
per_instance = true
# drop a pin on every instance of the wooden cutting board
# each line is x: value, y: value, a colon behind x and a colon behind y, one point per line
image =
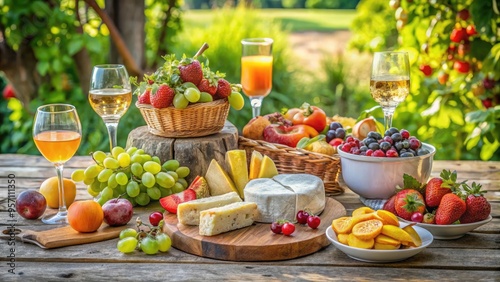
x: 256, y: 242
x: 65, y: 236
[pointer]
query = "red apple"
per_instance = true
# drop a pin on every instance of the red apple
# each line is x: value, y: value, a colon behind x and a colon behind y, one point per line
x: 30, y: 204
x: 117, y: 212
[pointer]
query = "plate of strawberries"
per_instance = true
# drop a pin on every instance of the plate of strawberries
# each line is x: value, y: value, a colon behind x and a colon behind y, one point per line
x: 445, y: 207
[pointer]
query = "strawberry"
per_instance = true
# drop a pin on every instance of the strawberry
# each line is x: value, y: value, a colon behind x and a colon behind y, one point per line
x: 190, y: 70
x: 478, y: 207
x: 223, y: 88
x: 144, y: 98
x: 429, y: 218
x: 407, y: 202
x: 451, y: 208
x: 162, y: 96
x: 206, y: 86
x: 437, y: 187
x: 170, y: 203
x: 389, y: 205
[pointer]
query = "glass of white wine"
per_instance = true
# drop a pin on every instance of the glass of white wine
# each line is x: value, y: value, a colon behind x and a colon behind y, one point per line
x: 390, y: 81
x: 110, y: 96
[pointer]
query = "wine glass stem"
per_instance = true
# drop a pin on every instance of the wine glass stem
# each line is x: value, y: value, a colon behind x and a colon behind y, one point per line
x: 256, y: 103
x: 388, y: 113
x: 111, y: 126
x: 62, y: 199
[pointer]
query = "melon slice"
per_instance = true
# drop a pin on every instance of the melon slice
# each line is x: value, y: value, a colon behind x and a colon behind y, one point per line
x: 236, y: 161
x: 218, y: 180
x: 255, y: 162
x: 200, y: 186
x: 267, y: 168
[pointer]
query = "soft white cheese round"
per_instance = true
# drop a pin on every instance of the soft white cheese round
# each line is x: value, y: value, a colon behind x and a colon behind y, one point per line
x: 282, y: 196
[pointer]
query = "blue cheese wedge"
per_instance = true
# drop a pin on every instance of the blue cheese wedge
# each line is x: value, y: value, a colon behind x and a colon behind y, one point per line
x: 188, y: 213
x: 282, y: 196
x: 227, y: 218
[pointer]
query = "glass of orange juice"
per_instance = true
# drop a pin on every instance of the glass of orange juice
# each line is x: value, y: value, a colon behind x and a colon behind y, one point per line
x: 256, y: 70
x: 57, y: 133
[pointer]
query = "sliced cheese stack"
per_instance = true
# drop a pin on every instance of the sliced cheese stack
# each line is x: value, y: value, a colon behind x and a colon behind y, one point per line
x: 188, y: 213
x: 282, y: 196
x: 226, y: 218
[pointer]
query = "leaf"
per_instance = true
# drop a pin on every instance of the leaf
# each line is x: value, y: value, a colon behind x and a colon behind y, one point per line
x: 42, y: 67
x: 410, y: 182
x: 75, y: 45
x: 479, y: 49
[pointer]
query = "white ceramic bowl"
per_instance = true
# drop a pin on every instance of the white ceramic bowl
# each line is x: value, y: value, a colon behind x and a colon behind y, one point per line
x: 377, y: 177
x: 452, y: 231
x: 381, y: 256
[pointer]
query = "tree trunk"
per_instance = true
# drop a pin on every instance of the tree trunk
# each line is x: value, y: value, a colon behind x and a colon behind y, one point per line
x: 129, y: 18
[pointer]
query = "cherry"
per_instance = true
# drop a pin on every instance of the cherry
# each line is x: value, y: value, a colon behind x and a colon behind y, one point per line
x: 155, y: 217
x: 488, y: 83
x: 313, y: 221
x: 404, y: 133
x: 426, y: 69
x: 302, y: 217
x: 487, y: 103
x: 288, y: 228
x: 276, y: 227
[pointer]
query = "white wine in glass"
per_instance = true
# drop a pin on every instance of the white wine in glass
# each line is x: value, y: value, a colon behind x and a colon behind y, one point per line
x: 390, y: 81
x: 110, y: 96
x: 57, y: 135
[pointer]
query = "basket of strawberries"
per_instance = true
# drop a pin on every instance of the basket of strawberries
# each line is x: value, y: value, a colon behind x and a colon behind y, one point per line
x: 184, y: 98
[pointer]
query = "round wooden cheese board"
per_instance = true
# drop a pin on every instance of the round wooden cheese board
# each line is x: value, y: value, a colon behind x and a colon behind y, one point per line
x: 256, y: 242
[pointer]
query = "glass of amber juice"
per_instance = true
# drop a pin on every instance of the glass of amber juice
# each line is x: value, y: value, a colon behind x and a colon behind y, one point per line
x: 256, y: 70
x: 390, y: 81
x: 110, y: 96
x: 57, y: 134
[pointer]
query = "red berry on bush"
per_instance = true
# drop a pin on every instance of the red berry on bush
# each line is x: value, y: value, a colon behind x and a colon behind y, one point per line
x: 487, y: 103
x: 458, y: 34
x: 443, y: 78
x: 471, y: 30
x: 488, y: 83
x: 426, y: 69
x: 461, y: 66
x: 463, y: 14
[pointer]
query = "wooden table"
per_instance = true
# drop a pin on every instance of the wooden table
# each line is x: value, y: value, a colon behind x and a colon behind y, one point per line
x: 476, y: 256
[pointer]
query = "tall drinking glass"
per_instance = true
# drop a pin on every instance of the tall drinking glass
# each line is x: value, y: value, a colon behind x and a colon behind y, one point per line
x: 390, y: 81
x: 110, y: 96
x: 57, y: 134
x: 256, y: 70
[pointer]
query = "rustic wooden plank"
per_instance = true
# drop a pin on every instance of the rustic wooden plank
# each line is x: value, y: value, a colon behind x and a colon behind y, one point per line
x: 54, y: 271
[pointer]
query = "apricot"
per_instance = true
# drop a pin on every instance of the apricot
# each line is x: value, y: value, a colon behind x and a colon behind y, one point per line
x: 50, y: 190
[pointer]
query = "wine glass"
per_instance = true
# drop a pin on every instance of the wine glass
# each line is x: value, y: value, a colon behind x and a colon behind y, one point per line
x: 57, y: 134
x: 110, y: 96
x: 390, y: 81
x: 256, y: 70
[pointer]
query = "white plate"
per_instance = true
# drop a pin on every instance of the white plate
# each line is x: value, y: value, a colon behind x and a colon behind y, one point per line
x: 381, y: 256
x: 452, y: 231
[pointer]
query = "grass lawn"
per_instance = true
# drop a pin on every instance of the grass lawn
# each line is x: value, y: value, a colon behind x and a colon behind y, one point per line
x: 296, y: 20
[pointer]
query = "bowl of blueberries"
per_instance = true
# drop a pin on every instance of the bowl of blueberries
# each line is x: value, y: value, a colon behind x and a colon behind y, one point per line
x: 375, y: 166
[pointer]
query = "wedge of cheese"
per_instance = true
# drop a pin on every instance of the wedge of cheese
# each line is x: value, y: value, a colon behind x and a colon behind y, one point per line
x: 226, y: 218
x: 282, y: 196
x: 218, y: 180
x: 188, y: 213
x: 236, y: 161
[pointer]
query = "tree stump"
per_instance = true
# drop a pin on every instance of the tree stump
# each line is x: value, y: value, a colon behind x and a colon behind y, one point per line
x: 195, y: 153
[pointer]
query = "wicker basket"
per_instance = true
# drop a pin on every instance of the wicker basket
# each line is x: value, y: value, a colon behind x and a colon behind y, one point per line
x: 293, y: 160
x: 196, y: 120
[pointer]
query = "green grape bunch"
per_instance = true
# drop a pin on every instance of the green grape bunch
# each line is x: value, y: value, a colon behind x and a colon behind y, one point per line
x: 131, y: 174
x: 146, y: 238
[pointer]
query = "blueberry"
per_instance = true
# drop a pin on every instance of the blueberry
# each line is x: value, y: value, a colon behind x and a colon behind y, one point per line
x: 406, y: 155
x: 393, y: 130
x: 399, y: 146
x: 422, y: 151
x: 385, y: 146
x: 406, y: 144
x: 375, y: 135
x: 334, y: 125
x: 374, y: 146
x: 397, y: 137
x: 368, y: 141
x: 363, y: 148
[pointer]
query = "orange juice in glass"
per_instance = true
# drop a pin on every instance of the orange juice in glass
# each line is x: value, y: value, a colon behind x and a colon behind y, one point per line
x: 57, y: 133
x: 256, y: 70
